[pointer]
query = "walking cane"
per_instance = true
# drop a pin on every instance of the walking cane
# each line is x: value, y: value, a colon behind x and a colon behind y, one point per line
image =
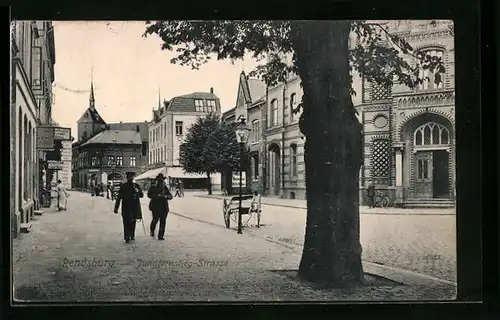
x: 143, y: 228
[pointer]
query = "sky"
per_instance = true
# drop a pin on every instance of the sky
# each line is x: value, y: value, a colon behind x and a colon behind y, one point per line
x: 128, y: 72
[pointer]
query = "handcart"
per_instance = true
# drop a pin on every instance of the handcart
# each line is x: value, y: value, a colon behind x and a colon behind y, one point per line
x: 230, y: 209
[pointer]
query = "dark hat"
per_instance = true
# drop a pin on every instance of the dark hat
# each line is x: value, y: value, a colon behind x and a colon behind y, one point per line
x: 160, y: 176
x: 130, y: 173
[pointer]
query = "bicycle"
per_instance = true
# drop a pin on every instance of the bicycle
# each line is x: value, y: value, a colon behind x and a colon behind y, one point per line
x: 381, y: 200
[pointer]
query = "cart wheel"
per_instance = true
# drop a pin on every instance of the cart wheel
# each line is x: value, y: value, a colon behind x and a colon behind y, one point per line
x: 385, y: 202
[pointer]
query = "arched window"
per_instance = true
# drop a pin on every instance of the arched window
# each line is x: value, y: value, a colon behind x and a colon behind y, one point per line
x: 432, y: 133
x: 293, y: 103
x: 274, y: 113
x: 431, y: 79
x: 293, y: 160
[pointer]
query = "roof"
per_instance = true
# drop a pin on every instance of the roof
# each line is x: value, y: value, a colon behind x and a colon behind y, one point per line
x: 115, y: 136
x: 132, y: 126
x: 257, y: 89
x: 93, y: 115
x: 228, y: 114
x: 186, y: 102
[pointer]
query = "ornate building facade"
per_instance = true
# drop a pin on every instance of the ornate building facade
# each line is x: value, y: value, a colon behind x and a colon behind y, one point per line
x: 409, y: 145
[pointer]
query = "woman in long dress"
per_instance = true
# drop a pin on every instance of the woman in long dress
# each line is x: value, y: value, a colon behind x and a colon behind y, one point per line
x: 62, y: 196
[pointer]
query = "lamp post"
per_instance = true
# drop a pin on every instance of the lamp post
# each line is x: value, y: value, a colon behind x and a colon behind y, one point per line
x: 242, y: 133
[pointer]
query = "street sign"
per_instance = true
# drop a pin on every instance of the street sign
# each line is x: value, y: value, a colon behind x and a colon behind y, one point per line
x: 93, y: 170
x: 45, y: 138
x: 55, y: 165
x: 62, y: 133
x: 236, y: 179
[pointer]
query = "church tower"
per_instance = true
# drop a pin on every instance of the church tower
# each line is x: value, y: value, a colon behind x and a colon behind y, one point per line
x: 90, y: 122
x: 92, y: 99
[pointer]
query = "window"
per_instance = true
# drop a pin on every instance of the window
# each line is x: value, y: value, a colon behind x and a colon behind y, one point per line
x: 36, y: 75
x: 293, y: 160
x: 94, y: 161
x: 119, y: 161
x: 198, y: 104
x: 423, y: 169
x: 434, y: 79
x: 274, y: 113
x: 431, y: 134
x: 178, y: 128
x: 111, y: 160
x: 255, y: 166
x: 211, y: 105
x: 132, y: 161
x: 293, y: 103
x: 144, y: 150
x: 165, y: 129
x: 255, y: 133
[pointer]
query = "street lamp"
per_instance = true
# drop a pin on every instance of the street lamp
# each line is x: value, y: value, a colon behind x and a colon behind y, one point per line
x: 242, y: 133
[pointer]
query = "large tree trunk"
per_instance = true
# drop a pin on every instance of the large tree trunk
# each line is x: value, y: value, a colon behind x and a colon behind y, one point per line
x: 332, y: 249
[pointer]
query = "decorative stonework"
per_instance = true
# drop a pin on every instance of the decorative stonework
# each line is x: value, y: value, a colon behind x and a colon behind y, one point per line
x: 427, y: 99
x: 380, y: 121
x: 379, y: 136
x: 380, y: 161
x: 404, y: 120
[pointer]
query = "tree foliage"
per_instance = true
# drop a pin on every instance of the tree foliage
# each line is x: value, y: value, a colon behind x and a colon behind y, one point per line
x: 377, y: 55
x: 211, y: 146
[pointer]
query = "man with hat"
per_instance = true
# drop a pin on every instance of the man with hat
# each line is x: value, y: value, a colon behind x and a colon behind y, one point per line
x: 128, y: 196
x: 159, y: 195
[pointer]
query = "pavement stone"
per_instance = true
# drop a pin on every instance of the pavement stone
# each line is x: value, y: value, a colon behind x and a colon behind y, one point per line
x: 421, y: 243
x: 197, y: 262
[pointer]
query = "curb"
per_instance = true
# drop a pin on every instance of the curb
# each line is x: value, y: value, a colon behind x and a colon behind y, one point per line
x: 375, y: 212
x: 402, y: 276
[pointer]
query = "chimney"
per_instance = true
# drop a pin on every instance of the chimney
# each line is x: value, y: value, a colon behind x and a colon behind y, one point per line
x: 212, y: 90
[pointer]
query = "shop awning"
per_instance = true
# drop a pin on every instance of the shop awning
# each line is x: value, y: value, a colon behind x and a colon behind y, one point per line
x: 178, y: 172
x: 151, y: 174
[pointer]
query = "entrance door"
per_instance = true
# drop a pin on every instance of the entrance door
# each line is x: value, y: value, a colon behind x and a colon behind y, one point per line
x: 277, y: 169
x: 424, y: 171
x: 440, y: 167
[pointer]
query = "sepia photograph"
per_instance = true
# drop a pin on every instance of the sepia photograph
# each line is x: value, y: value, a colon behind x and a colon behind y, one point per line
x: 233, y: 160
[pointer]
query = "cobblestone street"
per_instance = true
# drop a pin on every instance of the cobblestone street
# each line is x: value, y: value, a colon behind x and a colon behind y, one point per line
x: 424, y: 243
x: 197, y: 261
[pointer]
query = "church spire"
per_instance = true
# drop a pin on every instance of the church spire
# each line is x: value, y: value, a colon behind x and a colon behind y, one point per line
x: 92, y: 99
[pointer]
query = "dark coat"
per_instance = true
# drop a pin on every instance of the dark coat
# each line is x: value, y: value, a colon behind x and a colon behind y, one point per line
x: 159, y: 203
x: 370, y: 190
x: 129, y: 199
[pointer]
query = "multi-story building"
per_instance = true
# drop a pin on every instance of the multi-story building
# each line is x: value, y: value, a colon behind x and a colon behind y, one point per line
x: 409, y: 134
x: 409, y: 147
x: 167, y: 131
x: 104, y: 152
x: 32, y: 74
x: 250, y: 103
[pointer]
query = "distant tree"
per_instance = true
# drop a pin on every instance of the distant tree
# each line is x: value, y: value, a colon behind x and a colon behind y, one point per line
x: 211, y: 147
x: 333, y: 148
x: 191, y: 154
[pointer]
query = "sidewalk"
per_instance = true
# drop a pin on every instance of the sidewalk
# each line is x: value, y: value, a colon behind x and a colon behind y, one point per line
x: 302, y: 204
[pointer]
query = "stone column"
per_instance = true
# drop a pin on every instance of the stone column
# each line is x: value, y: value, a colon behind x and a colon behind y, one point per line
x: 398, y: 155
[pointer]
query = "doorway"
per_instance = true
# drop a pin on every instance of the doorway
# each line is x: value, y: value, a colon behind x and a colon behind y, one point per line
x: 440, y: 181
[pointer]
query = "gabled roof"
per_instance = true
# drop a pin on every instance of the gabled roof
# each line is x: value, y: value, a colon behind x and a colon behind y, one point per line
x: 228, y: 114
x: 115, y: 137
x: 253, y: 89
x: 92, y: 115
x: 186, y: 102
x: 132, y: 126
x: 257, y: 89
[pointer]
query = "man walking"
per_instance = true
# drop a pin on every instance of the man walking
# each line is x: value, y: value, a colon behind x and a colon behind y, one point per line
x: 159, y: 195
x: 128, y: 196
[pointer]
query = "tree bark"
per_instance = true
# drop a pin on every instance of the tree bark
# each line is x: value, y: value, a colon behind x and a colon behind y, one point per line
x: 332, y: 154
x: 209, y: 184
